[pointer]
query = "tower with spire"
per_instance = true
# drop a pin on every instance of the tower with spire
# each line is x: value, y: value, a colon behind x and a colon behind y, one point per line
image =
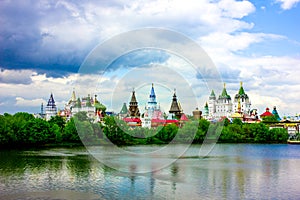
x: 212, y: 103
x: 223, y: 105
x: 51, y: 109
x: 175, y: 108
x: 152, y: 104
x: 133, y: 106
x: 245, y: 103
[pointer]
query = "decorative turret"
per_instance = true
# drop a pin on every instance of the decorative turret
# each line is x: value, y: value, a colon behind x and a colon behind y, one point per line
x: 175, y: 109
x: 133, y: 106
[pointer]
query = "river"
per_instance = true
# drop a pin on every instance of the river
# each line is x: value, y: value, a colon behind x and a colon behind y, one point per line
x: 229, y: 171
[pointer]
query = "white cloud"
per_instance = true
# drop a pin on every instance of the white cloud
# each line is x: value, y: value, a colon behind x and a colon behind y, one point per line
x: 29, y: 102
x: 287, y: 4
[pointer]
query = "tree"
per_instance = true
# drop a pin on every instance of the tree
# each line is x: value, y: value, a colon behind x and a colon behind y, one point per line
x: 237, y: 121
x: 36, y: 131
x: 260, y: 132
x: 59, y: 121
x: 278, y: 134
x: 70, y: 132
x: 270, y: 119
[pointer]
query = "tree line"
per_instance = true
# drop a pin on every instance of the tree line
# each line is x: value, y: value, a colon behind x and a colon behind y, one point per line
x: 24, y: 130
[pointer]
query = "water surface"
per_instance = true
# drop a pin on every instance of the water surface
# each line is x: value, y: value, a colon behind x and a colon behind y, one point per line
x: 230, y: 171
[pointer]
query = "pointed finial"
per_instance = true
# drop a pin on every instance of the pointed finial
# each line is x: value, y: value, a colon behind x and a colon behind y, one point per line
x: 241, y: 83
x: 152, y: 84
x: 224, y: 85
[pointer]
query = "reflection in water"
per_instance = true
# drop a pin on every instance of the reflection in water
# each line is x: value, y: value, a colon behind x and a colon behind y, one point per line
x: 229, y: 172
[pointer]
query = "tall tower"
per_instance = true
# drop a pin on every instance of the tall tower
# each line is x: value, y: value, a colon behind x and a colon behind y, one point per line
x: 152, y: 104
x: 175, y: 109
x: 206, y: 111
x: 244, y: 101
x: 212, y: 103
x: 133, y: 106
x: 51, y: 109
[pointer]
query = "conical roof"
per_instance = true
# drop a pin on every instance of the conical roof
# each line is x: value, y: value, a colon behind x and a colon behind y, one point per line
x: 212, y: 95
x: 133, y: 98
x: 174, y: 106
x: 51, y: 102
x: 152, y: 93
x: 241, y: 93
x: 124, y: 109
x: 241, y: 90
x: 224, y: 94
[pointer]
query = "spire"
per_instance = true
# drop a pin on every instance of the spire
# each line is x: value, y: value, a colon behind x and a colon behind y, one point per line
x: 212, y: 95
x: 152, y: 97
x: 174, y: 106
x: 73, y: 97
x: 51, y: 102
x: 42, y: 109
x: 241, y: 91
x: 224, y: 94
x: 133, y: 98
x: 133, y: 106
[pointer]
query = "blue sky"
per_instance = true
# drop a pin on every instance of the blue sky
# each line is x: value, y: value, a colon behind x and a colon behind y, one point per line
x: 43, y: 43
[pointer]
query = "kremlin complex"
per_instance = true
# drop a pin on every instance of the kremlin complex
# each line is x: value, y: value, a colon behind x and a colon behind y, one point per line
x: 216, y: 109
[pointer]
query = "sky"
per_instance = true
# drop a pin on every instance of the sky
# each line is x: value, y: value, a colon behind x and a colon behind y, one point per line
x: 44, y: 44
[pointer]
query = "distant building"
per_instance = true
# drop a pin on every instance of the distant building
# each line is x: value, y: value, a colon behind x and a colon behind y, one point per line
x: 51, y: 109
x: 223, y: 106
x: 175, y: 108
x: 152, y: 112
x: 94, y: 109
x: 133, y: 106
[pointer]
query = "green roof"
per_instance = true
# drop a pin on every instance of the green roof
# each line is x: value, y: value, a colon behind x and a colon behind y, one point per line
x: 241, y: 91
x: 212, y: 94
x: 124, y: 109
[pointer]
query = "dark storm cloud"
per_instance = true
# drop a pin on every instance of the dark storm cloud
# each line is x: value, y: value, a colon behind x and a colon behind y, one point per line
x: 22, y: 38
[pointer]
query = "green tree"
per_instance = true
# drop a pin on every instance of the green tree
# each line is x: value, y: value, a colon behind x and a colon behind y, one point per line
x: 237, y: 121
x: 260, y: 132
x: 59, y: 121
x: 278, y: 134
x: 35, y: 131
x: 270, y: 119
x: 70, y: 132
